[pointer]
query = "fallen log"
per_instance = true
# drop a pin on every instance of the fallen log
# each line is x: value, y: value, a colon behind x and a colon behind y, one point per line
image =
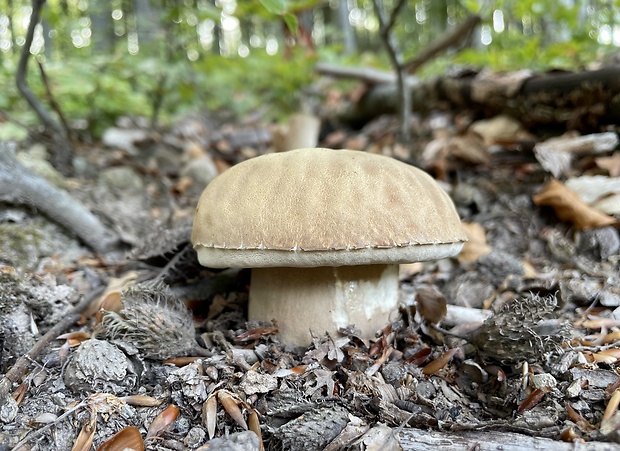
x: 572, y: 100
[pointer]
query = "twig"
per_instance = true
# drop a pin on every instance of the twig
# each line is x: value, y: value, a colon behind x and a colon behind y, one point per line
x: 19, y: 368
x: 385, y: 27
x: 61, y: 149
x: 52, y: 100
x: 41, y: 431
x: 20, y: 77
x: 442, y: 43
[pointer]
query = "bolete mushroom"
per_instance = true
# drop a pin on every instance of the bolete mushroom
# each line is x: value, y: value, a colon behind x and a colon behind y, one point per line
x: 324, y: 231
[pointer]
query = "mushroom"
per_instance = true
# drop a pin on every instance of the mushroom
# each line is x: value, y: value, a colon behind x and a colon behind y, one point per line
x: 324, y: 231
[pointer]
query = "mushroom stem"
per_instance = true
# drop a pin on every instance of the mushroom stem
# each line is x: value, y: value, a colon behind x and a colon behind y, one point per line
x: 324, y: 299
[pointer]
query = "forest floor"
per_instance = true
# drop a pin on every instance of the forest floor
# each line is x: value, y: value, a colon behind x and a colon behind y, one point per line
x: 541, y: 268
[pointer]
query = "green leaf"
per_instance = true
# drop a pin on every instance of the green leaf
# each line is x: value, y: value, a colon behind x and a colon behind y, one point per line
x: 291, y: 23
x: 275, y: 6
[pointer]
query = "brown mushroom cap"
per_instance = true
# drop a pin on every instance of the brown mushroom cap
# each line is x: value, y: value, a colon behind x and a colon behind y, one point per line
x: 323, y: 207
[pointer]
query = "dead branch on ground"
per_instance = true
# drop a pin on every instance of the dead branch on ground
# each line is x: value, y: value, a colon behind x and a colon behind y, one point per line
x: 18, y: 185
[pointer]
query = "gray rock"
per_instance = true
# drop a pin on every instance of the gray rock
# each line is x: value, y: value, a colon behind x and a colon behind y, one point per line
x: 122, y: 180
x: 240, y: 441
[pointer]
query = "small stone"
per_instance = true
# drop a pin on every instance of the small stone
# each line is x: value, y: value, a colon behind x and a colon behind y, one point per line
x: 124, y: 138
x: 574, y: 389
x: 195, y: 437
x: 378, y: 438
x: 240, y: 441
x: 255, y: 382
x: 426, y: 389
x: 8, y: 410
x: 543, y: 381
x: 122, y: 180
x: 201, y: 170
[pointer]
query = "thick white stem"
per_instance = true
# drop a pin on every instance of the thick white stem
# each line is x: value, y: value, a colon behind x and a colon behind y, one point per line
x: 324, y: 299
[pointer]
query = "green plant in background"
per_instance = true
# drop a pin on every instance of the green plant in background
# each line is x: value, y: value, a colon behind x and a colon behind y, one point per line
x: 176, y: 72
x: 537, y: 34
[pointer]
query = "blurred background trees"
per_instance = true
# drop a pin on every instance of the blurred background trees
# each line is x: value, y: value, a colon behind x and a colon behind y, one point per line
x: 160, y: 58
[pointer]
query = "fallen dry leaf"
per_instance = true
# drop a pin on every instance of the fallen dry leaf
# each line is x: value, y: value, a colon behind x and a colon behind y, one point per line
x: 84, y: 440
x: 19, y: 393
x: 230, y: 405
x: 583, y: 424
x: 532, y: 400
x: 476, y: 245
x: 609, y: 356
x: 432, y: 304
x: 111, y: 297
x: 569, y: 435
x: 499, y: 129
x: 254, y: 426
x: 256, y: 334
x: 209, y: 415
x: 612, y: 406
x: 439, y: 362
x: 182, y: 361
x: 420, y: 357
x: 126, y: 438
x: 569, y: 207
x: 163, y: 420
x: 599, y: 323
x: 74, y: 338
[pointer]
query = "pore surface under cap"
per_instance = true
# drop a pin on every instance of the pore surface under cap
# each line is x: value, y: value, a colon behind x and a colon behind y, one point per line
x: 323, y: 207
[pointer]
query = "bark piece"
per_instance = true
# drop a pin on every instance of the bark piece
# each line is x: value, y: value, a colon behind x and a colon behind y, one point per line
x: 427, y: 440
x: 314, y: 429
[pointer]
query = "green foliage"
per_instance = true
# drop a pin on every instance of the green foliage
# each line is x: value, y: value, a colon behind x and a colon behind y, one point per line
x: 537, y: 35
x: 259, y: 82
x: 280, y: 8
x: 104, y: 88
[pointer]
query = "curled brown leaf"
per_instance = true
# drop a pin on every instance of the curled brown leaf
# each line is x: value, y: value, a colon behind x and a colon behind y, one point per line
x: 569, y: 207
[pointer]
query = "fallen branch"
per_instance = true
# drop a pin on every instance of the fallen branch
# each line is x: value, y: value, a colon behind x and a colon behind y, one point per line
x: 581, y: 100
x: 363, y: 74
x: 428, y: 440
x: 20, y: 186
